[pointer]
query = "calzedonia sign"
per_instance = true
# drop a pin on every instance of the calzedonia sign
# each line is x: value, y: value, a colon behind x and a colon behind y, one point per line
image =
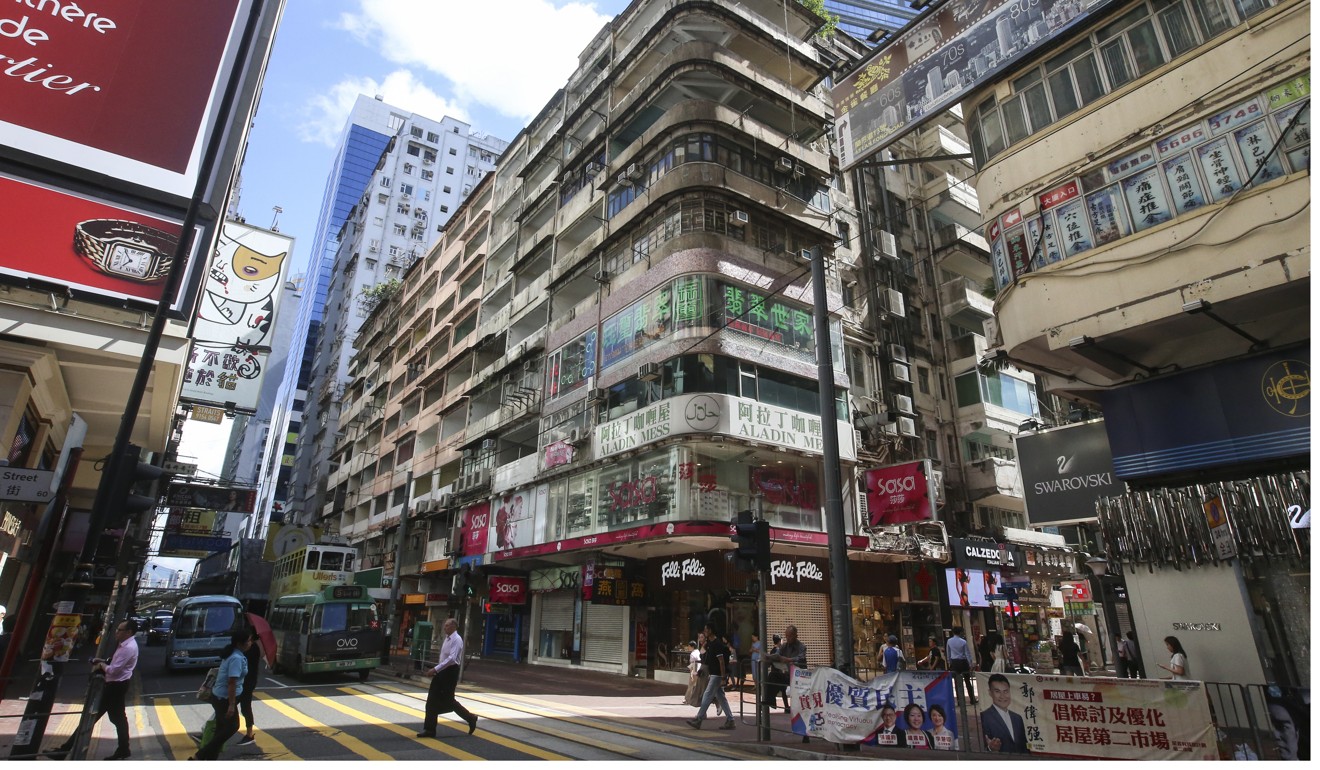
x: 985, y: 554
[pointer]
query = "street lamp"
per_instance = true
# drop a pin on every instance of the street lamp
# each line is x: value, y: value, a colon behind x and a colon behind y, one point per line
x: 1098, y: 565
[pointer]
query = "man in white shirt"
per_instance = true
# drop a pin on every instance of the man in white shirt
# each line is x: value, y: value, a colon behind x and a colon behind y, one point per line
x: 959, y: 655
x: 118, y: 673
x: 444, y: 681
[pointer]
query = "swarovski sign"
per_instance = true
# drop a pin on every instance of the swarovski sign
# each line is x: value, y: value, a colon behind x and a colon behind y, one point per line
x: 1064, y: 472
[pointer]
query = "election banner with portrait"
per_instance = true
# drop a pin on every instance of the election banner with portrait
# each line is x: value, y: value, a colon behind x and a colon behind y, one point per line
x: 1095, y: 717
x: 906, y: 709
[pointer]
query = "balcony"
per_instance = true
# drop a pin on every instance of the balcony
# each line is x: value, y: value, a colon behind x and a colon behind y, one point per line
x: 954, y: 199
x: 961, y: 302
x: 965, y: 352
x: 995, y: 482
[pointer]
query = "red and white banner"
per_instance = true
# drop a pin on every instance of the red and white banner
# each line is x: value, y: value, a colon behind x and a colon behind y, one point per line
x: 505, y: 589
x: 476, y: 529
x: 124, y: 88
x: 900, y: 494
x: 1095, y: 718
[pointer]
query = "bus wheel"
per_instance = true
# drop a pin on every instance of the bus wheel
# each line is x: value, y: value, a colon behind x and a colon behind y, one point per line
x: 363, y: 674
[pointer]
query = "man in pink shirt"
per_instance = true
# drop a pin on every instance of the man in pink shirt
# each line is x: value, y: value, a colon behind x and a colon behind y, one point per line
x: 118, y: 672
x: 444, y: 681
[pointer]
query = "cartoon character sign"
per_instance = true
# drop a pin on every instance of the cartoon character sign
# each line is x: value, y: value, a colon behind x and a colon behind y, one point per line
x: 231, y: 334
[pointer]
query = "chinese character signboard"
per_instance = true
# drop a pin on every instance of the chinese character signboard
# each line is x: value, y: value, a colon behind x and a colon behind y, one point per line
x: 199, y: 533
x: 938, y: 60
x: 1096, y: 718
x: 236, y: 318
x: 215, y: 498
x: 900, y: 494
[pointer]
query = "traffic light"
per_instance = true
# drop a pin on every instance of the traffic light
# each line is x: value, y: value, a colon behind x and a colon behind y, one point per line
x: 752, y: 552
x: 126, y: 496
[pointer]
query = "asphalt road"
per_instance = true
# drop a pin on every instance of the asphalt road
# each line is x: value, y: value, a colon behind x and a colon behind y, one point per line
x: 337, y: 717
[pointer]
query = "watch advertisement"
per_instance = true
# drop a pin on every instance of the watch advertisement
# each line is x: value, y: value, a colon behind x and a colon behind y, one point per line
x: 89, y: 245
x: 231, y: 338
x: 126, y: 88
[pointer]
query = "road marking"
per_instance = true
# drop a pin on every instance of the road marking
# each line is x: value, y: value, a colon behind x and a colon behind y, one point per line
x: 335, y: 734
x: 486, y: 735
x: 396, y: 729
x: 172, y: 730
x: 584, y: 740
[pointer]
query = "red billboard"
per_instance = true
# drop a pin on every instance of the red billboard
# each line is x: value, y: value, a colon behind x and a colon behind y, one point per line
x: 84, y: 243
x: 900, y: 494
x: 123, y: 88
x: 476, y: 527
x: 505, y: 589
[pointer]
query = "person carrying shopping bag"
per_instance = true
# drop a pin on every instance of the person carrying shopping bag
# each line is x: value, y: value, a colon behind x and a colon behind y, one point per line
x: 225, y: 694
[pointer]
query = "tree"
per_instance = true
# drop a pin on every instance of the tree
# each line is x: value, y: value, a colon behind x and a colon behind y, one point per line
x: 831, y: 20
x: 373, y: 297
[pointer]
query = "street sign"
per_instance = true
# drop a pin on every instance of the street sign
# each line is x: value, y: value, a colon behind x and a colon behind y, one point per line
x: 176, y: 468
x: 26, y: 485
x: 996, y: 597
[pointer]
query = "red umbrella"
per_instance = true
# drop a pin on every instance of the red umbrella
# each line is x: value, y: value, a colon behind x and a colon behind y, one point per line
x: 265, y: 636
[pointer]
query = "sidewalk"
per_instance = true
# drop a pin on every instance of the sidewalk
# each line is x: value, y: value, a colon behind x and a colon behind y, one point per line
x: 645, y: 703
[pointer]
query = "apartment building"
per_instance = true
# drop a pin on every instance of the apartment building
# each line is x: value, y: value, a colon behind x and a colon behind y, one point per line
x: 1145, y: 179
x: 398, y: 179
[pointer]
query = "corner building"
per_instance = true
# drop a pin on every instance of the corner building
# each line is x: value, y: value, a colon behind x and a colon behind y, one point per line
x: 1145, y: 179
x: 645, y: 263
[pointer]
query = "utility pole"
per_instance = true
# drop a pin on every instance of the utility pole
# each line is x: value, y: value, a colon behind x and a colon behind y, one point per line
x: 840, y: 595
x: 391, y: 610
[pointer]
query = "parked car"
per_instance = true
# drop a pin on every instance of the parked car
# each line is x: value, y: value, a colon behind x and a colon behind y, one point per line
x: 158, y: 630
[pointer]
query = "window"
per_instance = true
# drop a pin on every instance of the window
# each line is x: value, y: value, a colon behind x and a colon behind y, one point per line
x: 416, y: 131
x: 455, y: 129
x: 414, y: 149
x: 408, y: 168
x: 453, y: 151
x: 444, y: 209
x: 449, y: 169
x: 432, y: 137
x: 402, y: 208
x: 384, y: 181
x: 406, y: 189
x: 448, y: 189
x: 428, y: 175
x: 400, y: 229
x: 923, y: 380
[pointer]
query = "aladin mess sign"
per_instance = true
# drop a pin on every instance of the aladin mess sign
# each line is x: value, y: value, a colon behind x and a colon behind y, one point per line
x: 235, y: 321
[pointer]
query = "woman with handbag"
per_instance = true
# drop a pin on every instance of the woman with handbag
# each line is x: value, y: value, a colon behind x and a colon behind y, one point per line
x: 225, y: 693
x: 696, y: 680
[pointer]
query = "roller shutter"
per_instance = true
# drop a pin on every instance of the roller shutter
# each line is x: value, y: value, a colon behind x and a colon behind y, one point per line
x: 557, y: 611
x: 603, y: 629
x: 811, y: 614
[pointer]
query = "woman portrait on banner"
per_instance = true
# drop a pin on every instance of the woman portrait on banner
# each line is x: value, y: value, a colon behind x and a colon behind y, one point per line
x: 942, y: 737
x: 916, y: 736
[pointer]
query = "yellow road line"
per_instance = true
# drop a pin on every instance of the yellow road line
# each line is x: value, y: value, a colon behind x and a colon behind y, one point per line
x: 333, y: 733
x: 396, y: 729
x: 172, y: 730
x: 485, y: 735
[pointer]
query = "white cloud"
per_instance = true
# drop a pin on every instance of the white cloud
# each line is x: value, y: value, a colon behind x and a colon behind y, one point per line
x: 510, y: 55
x: 401, y: 88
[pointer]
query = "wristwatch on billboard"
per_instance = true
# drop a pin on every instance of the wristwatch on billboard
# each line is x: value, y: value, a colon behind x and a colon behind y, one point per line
x: 125, y: 249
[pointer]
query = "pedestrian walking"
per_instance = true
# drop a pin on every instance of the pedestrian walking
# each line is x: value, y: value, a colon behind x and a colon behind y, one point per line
x: 444, y: 682
x: 890, y: 655
x: 716, y: 661
x: 225, y: 693
x: 934, y: 660
x: 118, y: 672
x: 1085, y: 636
x: 959, y: 654
x: 1138, y: 666
x: 1121, y: 657
x: 1069, y: 662
x: 758, y: 649
x: 1178, y: 661
x: 992, y: 641
x: 253, y: 655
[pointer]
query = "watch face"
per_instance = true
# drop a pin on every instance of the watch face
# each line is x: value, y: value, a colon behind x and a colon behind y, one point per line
x: 130, y: 261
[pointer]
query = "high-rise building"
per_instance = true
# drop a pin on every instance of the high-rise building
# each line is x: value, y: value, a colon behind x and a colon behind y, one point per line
x: 397, y: 179
x: 862, y: 18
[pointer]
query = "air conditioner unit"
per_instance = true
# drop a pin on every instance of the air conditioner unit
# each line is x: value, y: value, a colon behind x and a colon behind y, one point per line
x: 888, y: 245
x: 898, y: 353
x: 894, y: 302
x: 907, y: 426
x: 623, y: 179
x: 890, y: 427
x: 648, y: 372
x: 799, y: 170
x: 739, y: 217
x: 374, y: 248
x: 785, y: 164
x: 422, y: 506
x: 602, y: 276
x: 468, y: 454
x: 635, y: 171
x: 488, y: 444
x: 481, y: 476
x: 592, y: 169
x: 900, y: 372
x: 446, y: 500
x: 904, y: 404
x: 597, y: 396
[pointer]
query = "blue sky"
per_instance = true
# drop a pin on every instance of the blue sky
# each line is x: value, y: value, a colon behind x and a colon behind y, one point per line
x: 507, y: 58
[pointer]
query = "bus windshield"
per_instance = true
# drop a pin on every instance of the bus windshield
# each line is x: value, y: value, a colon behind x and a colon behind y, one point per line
x: 344, y: 616
x: 204, y: 620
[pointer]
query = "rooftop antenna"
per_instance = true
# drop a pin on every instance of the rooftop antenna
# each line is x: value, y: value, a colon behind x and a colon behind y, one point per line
x: 275, y: 222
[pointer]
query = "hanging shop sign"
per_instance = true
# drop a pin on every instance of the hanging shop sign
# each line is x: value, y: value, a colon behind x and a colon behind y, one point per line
x: 900, y: 494
x: 715, y: 413
x: 475, y: 527
x: 985, y: 554
x: 1065, y: 470
x: 215, y: 498
x: 705, y: 570
x: 506, y: 589
x: 799, y: 573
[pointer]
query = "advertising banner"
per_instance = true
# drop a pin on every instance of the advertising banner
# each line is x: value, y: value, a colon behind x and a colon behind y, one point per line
x: 475, y: 528
x: 1096, y: 718
x: 215, y: 498
x: 907, y: 709
x: 514, y: 515
x: 198, y: 534
x: 106, y: 250
x: 937, y: 61
x: 235, y: 317
x: 123, y: 89
x: 900, y: 494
